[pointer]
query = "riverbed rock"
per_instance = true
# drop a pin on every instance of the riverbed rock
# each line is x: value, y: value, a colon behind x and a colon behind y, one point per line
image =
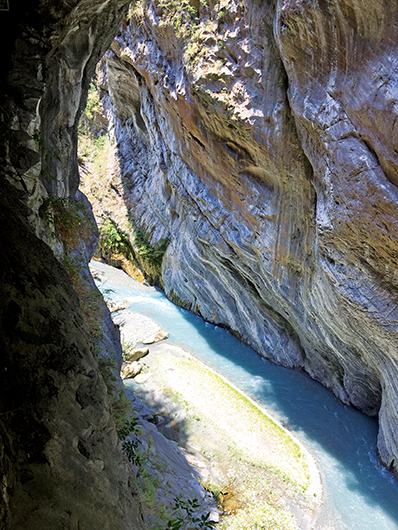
x: 135, y: 328
x: 156, y: 337
x: 118, y: 306
x: 142, y: 378
x: 135, y: 354
x: 130, y: 369
x: 262, y: 148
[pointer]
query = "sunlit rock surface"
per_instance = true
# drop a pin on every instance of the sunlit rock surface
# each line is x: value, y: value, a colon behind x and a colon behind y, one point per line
x: 260, y: 139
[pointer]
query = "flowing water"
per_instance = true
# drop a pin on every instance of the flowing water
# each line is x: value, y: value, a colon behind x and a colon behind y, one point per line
x: 359, y: 493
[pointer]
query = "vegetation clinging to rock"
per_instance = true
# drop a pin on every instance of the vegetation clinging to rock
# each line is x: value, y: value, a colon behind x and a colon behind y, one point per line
x: 69, y: 220
x: 113, y: 240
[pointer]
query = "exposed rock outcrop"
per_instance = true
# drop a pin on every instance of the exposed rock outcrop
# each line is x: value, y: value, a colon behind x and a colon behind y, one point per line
x: 61, y: 461
x: 259, y: 138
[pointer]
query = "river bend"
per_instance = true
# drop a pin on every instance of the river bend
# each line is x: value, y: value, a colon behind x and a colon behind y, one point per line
x: 359, y: 494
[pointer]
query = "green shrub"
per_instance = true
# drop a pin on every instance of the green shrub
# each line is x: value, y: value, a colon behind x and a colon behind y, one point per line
x: 182, y: 15
x: 93, y: 101
x: 151, y: 253
x: 113, y: 240
x: 184, y: 514
x: 130, y: 446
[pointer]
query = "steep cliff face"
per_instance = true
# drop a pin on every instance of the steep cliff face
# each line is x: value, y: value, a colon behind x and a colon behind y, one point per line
x: 52, y: 51
x: 61, y: 462
x: 259, y: 138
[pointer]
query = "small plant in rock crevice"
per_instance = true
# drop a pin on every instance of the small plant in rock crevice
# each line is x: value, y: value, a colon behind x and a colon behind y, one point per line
x: 182, y: 15
x: 185, y: 516
x: 130, y: 447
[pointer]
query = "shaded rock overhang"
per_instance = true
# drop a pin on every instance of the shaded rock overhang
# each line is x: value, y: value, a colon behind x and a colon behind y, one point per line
x: 61, y: 464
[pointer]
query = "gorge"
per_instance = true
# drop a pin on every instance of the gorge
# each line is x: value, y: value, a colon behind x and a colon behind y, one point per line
x: 252, y: 145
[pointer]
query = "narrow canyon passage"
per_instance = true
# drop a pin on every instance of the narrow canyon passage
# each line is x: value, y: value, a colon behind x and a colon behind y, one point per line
x: 243, y: 155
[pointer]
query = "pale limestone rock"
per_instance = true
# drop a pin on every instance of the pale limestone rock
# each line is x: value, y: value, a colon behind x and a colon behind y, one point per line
x: 130, y: 369
x: 157, y: 337
x: 118, y: 306
x: 142, y: 378
x: 134, y: 327
x: 283, y: 217
x: 136, y: 354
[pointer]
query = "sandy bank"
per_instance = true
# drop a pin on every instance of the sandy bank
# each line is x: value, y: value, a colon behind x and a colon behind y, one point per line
x: 234, y: 444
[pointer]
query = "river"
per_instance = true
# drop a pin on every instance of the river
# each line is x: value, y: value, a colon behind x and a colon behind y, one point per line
x: 359, y: 494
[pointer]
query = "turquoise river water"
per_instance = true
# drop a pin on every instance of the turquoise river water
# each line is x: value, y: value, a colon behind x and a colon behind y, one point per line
x: 359, y: 494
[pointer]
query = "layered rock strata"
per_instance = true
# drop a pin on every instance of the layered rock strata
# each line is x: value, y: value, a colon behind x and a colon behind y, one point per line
x: 259, y: 138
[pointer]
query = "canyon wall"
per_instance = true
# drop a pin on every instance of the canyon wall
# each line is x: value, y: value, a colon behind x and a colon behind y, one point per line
x: 258, y: 138
x: 61, y: 461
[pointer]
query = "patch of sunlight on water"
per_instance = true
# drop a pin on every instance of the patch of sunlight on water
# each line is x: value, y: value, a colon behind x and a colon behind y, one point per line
x: 359, y: 493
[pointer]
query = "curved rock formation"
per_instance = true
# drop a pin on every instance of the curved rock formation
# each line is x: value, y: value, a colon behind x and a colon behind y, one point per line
x: 259, y: 138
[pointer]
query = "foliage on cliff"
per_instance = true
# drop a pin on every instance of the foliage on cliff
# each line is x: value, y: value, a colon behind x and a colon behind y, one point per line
x: 113, y: 240
x: 68, y: 220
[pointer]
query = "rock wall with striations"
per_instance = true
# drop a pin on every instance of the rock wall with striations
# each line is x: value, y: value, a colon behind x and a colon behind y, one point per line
x: 259, y: 137
x: 61, y: 464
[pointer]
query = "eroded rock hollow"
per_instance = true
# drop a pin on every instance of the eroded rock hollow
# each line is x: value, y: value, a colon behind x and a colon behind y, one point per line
x: 259, y: 138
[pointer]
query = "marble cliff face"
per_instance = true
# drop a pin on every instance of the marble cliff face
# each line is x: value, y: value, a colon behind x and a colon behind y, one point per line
x: 259, y: 137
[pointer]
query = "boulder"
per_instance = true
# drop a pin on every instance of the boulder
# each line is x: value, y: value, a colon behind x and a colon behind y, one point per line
x: 130, y: 369
x: 142, y: 378
x: 156, y: 337
x: 114, y: 306
x: 134, y: 355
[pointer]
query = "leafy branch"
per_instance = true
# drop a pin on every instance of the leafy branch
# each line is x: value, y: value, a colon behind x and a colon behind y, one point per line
x: 185, y: 515
x: 130, y: 446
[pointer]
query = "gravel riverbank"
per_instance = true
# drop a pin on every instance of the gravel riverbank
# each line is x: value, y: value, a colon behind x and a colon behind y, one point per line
x: 257, y: 470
